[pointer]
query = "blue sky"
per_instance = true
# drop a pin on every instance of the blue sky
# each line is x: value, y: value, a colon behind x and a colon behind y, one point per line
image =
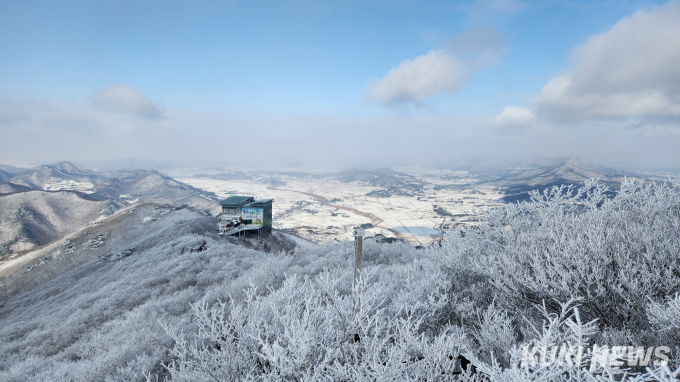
x: 231, y: 65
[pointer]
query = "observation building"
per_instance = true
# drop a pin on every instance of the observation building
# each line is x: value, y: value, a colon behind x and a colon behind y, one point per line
x: 245, y: 216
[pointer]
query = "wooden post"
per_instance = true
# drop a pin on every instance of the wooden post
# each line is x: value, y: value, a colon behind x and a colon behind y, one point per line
x: 358, y: 255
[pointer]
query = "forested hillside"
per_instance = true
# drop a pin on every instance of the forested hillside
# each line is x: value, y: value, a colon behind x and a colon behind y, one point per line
x: 577, y: 268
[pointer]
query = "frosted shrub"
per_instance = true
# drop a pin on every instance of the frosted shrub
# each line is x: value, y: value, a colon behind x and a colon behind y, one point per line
x: 570, y: 269
x: 666, y: 317
x: 494, y: 333
x: 308, y: 330
x: 615, y: 253
x: 565, y: 354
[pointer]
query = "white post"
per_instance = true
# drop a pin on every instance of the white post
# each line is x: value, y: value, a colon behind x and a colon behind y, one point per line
x: 358, y: 255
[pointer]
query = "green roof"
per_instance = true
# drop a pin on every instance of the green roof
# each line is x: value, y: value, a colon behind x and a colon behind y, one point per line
x: 236, y: 200
x: 261, y: 202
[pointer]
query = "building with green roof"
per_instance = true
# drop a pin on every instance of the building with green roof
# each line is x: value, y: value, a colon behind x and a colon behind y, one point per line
x: 245, y: 216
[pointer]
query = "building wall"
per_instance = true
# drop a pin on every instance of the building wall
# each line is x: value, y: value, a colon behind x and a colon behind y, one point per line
x: 231, y: 212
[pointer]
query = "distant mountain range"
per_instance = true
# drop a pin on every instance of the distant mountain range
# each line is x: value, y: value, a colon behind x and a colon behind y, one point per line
x: 44, y: 203
x: 542, y: 173
x: 67, y: 174
x: 4, y: 176
x: 516, y: 180
x: 122, y: 186
x: 560, y: 170
x: 383, y: 177
x: 8, y: 172
x: 392, y: 183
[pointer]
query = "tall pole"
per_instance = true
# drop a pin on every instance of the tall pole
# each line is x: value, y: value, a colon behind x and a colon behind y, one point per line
x: 358, y: 255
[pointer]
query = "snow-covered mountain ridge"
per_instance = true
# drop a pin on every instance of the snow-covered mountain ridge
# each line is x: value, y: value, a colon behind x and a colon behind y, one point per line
x: 47, y: 202
x: 143, y: 289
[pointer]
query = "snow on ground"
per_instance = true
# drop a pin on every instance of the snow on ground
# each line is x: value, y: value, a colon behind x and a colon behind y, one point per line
x: 325, y: 209
x: 34, y: 218
x: 97, y: 313
x: 54, y: 184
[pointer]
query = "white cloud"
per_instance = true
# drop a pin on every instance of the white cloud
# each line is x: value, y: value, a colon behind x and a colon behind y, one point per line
x: 415, y: 80
x: 127, y: 100
x: 40, y: 132
x: 632, y: 70
x: 515, y: 116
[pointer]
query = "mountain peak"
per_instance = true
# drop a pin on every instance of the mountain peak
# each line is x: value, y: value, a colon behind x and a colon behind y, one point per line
x: 71, y: 168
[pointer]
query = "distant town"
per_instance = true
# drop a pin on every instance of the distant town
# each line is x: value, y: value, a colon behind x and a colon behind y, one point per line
x: 323, y: 209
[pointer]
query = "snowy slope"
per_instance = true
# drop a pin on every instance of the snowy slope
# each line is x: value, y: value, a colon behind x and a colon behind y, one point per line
x: 153, y: 185
x: 80, y: 318
x: 8, y: 172
x: 11, y: 188
x: 115, y: 300
x: 32, y: 218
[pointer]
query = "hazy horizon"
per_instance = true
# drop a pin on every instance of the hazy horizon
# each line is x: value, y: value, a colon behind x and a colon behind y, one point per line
x: 338, y: 85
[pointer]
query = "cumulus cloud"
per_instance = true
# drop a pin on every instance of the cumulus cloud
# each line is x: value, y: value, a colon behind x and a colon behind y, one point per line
x: 515, y: 116
x: 632, y: 70
x: 126, y: 100
x: 415, y: 80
